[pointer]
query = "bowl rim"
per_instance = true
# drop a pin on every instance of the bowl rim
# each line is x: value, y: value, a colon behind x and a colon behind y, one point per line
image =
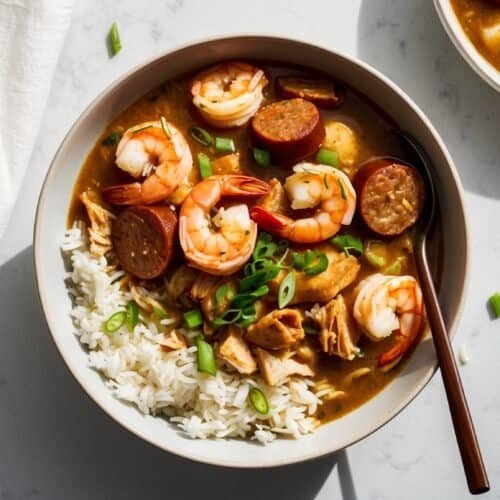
x: 468, y: 51
x: 411, y: 395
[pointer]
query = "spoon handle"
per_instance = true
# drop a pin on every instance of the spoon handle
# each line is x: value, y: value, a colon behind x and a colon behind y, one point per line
x: 477, y: 478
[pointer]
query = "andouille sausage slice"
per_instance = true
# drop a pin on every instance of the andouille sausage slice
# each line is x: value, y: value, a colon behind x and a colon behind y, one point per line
x: 390, y: 196
x: 291, y: 129
x: 143, y: 239
x: 322, y: 92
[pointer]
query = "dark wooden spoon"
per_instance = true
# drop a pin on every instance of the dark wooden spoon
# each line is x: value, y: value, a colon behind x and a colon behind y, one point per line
x: 477, y: 479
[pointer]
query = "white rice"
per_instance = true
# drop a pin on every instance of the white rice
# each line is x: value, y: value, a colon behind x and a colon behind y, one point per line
x: 168, y: 383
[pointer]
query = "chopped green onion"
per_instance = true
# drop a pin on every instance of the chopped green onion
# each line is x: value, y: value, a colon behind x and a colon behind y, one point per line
x: 495, y: 304
x: 374, y: 259
x: 327, y: 157
x: 310, y: 330
x: 160, y: 312
x: 248, y: 298
x: 201, y: 136
x: 259, y: 278
x: 193, y: 318
x: 229, y: 317
x: 114, y: 39
x: 262, y: 157
x: 165, y: 127
x: 224, y: 145
x: 248, y: 316
x: 286, y: 290
x: 342, y: 189
x: 301, y: 260
x: 396, y: 267
x: 115, y: 321
x: 347, y: 242
x: 318, y: 265
x: 132, y: 315
x: 205, y: 165
x: 263, y: 236
x: 224, y: 292
x: 258, y: 400
x: 205, y: 356
x: 112, y: 139
x: 264, y: 249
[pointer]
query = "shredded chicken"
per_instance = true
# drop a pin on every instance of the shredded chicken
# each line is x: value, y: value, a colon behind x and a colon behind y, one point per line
x: 277, y: 367
x: 100, y: 224
x: 338, y: 336
x: 181, y: 280
x: 323, y: 287
x: 173, y: 342
x: 203, y: 284
x: 235, y: 351
x: 276, y: 330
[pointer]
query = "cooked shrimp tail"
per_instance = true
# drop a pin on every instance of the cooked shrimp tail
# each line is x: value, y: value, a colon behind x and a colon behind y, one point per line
x: 219, y: 243
x: 274, y: 223
x: 146, y: 150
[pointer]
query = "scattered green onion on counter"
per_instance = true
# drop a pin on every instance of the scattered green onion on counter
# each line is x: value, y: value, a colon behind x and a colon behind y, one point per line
x: 347, y: 242
x: 262, y: 157
x: 193, y: 318
x: 494, y: 301
x: 205, y: 165
x: 286, y: 290
x: 327, y: 157
x: 224, y: 145
x: 205, y: 356
x: 201, y: 136
x: 115, y: 321
x: 132, y: 315
x: 258, y: 400
x: 114, y: 39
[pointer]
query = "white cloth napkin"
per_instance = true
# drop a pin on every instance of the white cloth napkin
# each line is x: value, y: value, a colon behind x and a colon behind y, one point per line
x: 32, y: 33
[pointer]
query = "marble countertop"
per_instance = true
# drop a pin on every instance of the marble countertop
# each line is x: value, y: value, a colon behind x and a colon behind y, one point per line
x: 56, y: 444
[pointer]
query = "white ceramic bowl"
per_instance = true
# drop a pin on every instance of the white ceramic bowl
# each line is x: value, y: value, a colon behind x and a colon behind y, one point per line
x: 457, y: 35
x: 51, y: 221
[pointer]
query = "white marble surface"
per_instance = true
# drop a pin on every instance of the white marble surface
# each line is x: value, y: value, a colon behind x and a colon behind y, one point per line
x: 56, y: 444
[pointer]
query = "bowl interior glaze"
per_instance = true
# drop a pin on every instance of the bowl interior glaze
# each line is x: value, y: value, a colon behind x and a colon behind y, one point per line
x: 51, y: 221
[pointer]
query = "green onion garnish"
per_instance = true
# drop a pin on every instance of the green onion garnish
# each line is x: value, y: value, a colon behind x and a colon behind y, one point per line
x: 112, y: 139
x: 348, y: 242
x: 318, y: 265
x: 262, y: 157
x: 224, y: 145
x: 286, y: 290
x: 132, y: 315
x: 395, y: 267
x: 115, y: 321
x: 342, y: 189
x: 495, y: 304
x: 114, y: 39
x: 301, y: 260
x: 223, y: 292
x: 310, y: 330
x: 374, y: 259
x: 193, y: 318
x: 327, y: 157
x: 264, y: 249
x: 205, y: 356
x: 248, y: 316
x: 259, y: 278
x: 229, y: 317
x: 165, y: 127
x: 200, y: 135
x: 258, y: 400
x: 205, y: 165
x: 248, y: 298
x: 159, y: 312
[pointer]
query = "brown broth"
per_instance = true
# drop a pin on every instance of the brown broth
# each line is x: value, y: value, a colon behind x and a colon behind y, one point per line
x: 376, y: 139
x: 473, y: 16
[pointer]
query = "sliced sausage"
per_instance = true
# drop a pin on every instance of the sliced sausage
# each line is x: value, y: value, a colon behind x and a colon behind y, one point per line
x: 143, y: 239
x: 390, y: 196
x: 321, y: 92
x: 291, y: 129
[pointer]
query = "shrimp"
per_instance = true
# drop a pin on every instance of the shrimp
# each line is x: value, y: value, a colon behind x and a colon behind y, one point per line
x: 219, y: 243
x: 385, y: 304
x: 147, y: 150
x: 323, y: 188
x: 228, y: 94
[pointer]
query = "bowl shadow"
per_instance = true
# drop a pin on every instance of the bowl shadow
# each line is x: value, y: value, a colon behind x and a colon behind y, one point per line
x: 406, y: 41
x: 57, y: 444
